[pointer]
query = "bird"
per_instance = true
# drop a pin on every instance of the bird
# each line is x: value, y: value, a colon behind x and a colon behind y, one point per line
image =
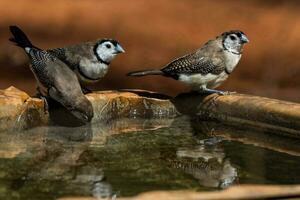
x: 54, y: 78
x: 208, y: 67
x: 89, y: 60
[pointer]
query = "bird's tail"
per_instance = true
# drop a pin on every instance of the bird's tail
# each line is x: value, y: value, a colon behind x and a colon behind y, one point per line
x: 145, y: 72
x: 20, y: 39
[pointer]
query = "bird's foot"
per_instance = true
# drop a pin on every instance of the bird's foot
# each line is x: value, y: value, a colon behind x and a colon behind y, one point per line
x: 43, y: 98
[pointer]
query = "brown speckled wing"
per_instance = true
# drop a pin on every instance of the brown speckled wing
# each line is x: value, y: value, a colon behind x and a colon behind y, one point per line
x: 193, y: 64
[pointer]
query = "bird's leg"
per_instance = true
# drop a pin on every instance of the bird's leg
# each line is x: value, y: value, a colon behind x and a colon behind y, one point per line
x: 43, y: 98
x: 46, y: 105
x: 212, y: 91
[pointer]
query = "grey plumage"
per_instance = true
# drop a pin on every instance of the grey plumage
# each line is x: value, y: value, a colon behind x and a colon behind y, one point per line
x: 55, y: 79
x: 90, y: 60
x: 209, y: 66
x: 74, y: 53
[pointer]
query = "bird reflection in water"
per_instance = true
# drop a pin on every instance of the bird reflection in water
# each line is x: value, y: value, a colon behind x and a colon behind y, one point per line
x: 207, y: 163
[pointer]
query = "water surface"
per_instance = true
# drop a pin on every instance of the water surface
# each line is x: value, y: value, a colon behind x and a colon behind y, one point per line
x: 128, y: 156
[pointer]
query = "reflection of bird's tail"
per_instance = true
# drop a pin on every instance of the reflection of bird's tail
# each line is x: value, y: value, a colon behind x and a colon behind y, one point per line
x: 20, y: 39
x: 146, y: 72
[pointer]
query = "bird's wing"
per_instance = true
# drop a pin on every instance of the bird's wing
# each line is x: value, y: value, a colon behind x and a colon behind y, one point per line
x: 58, y: 52
x: 39, y: 64
x: 65, y: 87
x: 61, y: 97
x: 192, y: 64
x: 56, y: 95
x: 53, y: 73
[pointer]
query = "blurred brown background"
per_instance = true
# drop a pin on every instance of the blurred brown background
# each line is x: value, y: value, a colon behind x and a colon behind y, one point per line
x: 154, y: 32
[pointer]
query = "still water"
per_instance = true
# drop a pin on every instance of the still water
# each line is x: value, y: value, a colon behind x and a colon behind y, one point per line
x: 128, y: 156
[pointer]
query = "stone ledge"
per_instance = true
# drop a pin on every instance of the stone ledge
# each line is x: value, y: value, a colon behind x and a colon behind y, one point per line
x: 131, y: 103
x: 19, y: 111
x: 279, y: 117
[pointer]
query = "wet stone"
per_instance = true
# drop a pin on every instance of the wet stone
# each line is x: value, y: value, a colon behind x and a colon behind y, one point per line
x: 20, y: 111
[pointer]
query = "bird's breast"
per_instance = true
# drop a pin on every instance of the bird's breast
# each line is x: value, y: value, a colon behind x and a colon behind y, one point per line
x: 202, y: 81
x: 92, y: 71
x: 197, y: 79
x: 231, y: 60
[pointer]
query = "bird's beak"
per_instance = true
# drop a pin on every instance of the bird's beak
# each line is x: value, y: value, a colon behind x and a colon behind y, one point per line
x: 244, y: 39
x: 119, y: 49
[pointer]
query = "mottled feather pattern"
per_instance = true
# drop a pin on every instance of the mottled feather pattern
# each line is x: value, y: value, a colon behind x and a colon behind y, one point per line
x: 191, y: 64
x: 39, y: 61
x: 58, y: 52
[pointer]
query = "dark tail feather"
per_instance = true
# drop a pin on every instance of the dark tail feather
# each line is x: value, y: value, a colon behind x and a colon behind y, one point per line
x: 145, y: 73
x: 20, y: 39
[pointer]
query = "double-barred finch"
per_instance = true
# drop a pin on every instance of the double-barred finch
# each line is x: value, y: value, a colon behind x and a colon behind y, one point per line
x: 55, y: 79
x: 90, y: 60
x: 207, y: 67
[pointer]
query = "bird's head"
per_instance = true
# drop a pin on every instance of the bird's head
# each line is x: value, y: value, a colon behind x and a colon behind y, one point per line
x: 234, y: 41
x: 107, y: 49
x: 83, y: 110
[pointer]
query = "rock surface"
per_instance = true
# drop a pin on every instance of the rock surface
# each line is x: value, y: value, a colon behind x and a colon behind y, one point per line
x: 132, y: 103
x: 278, y: 117
x: 19, y: 111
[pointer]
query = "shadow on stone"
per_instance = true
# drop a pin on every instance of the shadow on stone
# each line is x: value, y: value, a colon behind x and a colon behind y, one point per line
x: 192, y: 103
x: 147, y: 94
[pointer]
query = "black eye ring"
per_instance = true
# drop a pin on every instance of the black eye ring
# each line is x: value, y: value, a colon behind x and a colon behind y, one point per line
x: 108, y: 46
x: 232, y: 37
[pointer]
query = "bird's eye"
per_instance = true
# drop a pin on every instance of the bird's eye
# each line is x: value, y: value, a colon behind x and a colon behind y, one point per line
x: 239, y: 34
x: 232, y: 37
x: 108, y: 46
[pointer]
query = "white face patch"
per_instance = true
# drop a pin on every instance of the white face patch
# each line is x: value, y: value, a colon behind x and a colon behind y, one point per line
x: 106, y: 51
x: 233, y: 43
